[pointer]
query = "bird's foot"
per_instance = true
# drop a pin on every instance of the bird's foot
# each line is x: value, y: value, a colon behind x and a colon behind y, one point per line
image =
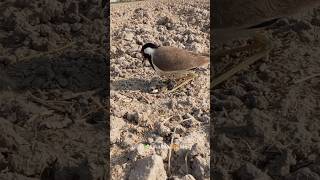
x: 171, y: 84
x: 185, y: 81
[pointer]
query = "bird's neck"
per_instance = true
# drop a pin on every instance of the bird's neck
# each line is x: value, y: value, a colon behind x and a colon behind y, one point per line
x: 149, y: 51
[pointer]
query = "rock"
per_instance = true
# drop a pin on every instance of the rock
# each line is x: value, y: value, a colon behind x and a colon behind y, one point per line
x: 205, y: 118
x: 166, y: 21
x: 196, y: 47
x: 139, y: 40
x: 10, y: 175
x: 115, y: 129
x: 315, y: 21
x: 263, y: 67
x: 6, y: 82
x: 224, y: 143
x: 151, y: 168
x: 258, y: 124
x: 9, y: 137
x: 63, y: 82
x: 315, y: 168
x: 40, y: 44
x: 113, y: 49
x: 194, y: 137
x: 6, y: 60
x: 140, y: 150
x: 251, y: 172
x: 63, y: 28
x: 188, y: 177
x: 169, y: 42
x: 305, y: 37
x: 128, y: 36
x: 162, y: 129
x: 238, y: 91
x: 232, y: 102
x: 132, y: 117
x: 250, y: 101
x: 200, y: 149
x: 301, y: 25
x: 3, y: 162
x: 64, y: 173
x: 220, y: 174
x: 45, y: 30
x: 162, y: 28
x: 76, y: 27
x: 301, y: 174
x: 128, y: 140
x: 280, y: 166
x: 200, y: 168
x: 161, y: 148
x: 262, y: 102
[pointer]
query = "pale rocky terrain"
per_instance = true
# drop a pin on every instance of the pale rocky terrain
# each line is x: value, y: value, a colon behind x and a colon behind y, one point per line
x: 145, y: 124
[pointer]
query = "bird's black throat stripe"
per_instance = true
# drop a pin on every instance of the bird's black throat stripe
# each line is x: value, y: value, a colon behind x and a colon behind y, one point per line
x: 150, y: 61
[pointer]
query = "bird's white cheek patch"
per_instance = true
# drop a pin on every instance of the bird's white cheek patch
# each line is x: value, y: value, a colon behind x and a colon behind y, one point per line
x: 149, y: 51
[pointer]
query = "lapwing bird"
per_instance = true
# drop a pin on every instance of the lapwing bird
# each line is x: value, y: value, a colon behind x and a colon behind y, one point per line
x: 236, y: 19
x: 173, y: 63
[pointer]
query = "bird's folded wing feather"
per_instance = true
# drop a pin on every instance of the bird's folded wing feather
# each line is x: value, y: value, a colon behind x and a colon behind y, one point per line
x: 175, y: 59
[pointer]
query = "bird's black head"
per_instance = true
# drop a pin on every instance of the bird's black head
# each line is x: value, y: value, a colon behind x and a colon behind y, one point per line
x: 145, y: 46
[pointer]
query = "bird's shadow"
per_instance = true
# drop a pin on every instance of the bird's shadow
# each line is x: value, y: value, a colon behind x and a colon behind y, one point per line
x: 135, y: 84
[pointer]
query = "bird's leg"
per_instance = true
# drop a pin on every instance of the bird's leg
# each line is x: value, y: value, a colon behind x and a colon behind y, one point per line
x: 262, y: 43
x: 166, y: 81
x: 186, y: 81
x: 171, y: 84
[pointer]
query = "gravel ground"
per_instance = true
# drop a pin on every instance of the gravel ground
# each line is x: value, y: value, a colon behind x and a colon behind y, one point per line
x: 266, y: 118
x: 144, y: 123
x: 52, y: 120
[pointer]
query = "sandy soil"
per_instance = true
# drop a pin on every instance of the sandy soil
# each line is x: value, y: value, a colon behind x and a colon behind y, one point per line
x: 52, y: 121
x: 266, y: 118
x: 140, y: 118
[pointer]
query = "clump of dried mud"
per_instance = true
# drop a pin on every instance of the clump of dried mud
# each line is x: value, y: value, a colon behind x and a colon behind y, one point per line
x: 266, y: 118
x: 53, y: 71
x: 143, y: 124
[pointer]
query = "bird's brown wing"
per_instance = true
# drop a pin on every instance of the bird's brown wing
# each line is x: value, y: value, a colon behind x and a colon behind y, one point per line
x: 174, y: 59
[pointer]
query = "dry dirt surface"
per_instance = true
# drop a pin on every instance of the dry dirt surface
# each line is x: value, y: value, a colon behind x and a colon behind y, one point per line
x: 52, y: 119
x: 144, y: 123
x: 266, y: 118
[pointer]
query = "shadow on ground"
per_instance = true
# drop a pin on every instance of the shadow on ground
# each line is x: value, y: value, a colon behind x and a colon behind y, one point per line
x: 62, y: 98
x: 72, y: 71
x: 133, y: 84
